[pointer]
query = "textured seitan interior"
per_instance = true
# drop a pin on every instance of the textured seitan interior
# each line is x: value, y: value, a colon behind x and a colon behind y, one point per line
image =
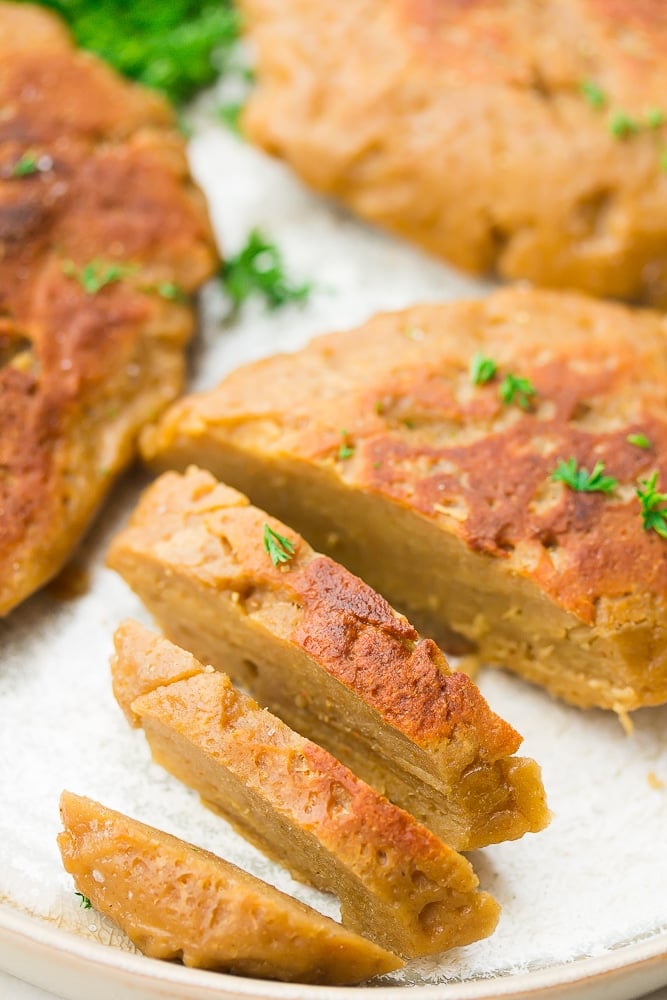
x: 397, y: 883
x: 103, y: 240
x: 176, y: 901
x: 330, y: 657
x: 446, y: 503
x: 515, y: 136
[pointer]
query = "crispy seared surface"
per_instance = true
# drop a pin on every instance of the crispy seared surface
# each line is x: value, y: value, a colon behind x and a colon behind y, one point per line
x: 328, y: 655
x: 81, y: 371
x: 462, y: 126
x: 397, y: 883
x: 176, y: 901
x: 446, y: 503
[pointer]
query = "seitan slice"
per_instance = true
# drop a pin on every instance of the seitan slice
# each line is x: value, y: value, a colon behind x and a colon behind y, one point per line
x: 104, y: 239
x: 444, y: 498
x: 397, y: 883
x: 177, y: 901
x: 331, y: 658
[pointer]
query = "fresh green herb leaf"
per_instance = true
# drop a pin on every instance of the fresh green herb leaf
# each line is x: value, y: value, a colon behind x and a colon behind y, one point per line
x: 638, y: 440
x: 171, y: 291
x: 230, y: 114
x: 583, y: 481
x: 258, y: 269
x: 654, y: 516
x: 26, y: 165
x: 593, y: 93
x: 663, y: 161
x: 84, y: 902
x: 622, y: 125
x: 346, y: 449
x: 655, y: 118
x: 279, y: 548
x: 93, y: 277
x: 482, y: 369
x: 515, y: 389
x: 177, y: 47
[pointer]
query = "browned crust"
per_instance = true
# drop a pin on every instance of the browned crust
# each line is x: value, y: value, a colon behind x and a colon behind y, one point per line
x: 80, y: 373
x: 175, y: 900
x: 349, y: 629
x: 460, y: 124
x: 426, y: 439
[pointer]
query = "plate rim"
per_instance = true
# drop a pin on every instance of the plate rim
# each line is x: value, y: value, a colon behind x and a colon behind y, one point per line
x: 31, y: 949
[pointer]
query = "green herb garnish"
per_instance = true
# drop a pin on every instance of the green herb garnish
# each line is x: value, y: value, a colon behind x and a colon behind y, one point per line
x: 593, y: 93
x: 171, y: 291
x: 482, y: 369
x: 93, y: 277
x: 346, y: 449
x: 26, y: 165
x: 279, y: 548
x: 230, y: 115
x: 583, y: 481
x: 655, y: 118
x: 177, y: 47
x: 654, y: 517
x: 515, y: 389
x: 258, y: 269
x: 622, y: 125
x: 84, y: 902
x: 638, y: 440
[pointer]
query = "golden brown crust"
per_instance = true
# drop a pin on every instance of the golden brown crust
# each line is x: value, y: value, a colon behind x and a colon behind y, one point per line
x: 462, y: 126
x: 427, y: 441
x: 300, y: 805
x: 177, y: 901
x: 194, y: 552
x: 81, y: 371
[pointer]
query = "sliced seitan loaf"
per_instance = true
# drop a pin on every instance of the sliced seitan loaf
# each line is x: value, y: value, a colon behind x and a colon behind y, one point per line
x: 431, y: 475
x: 177, y: 901
x: 329, y: 656
x: 397, y: 883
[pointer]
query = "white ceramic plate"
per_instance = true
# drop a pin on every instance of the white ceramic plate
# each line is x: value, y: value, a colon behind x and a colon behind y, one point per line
x: 584, y: 903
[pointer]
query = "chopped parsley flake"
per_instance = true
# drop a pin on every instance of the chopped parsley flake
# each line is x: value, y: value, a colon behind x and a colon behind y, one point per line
x: 258, y: 269
x: 279, y: 548
x: 593, y: 93
x: 93, y: 277
x: 655, y: 118
x: 171, y: 291
x: 26, y: 165
x: 482, y: 369
x: 346, y: 449
x: 583, y: 481
x: 515, y: 389
x: 654, y: 516
x: 622, y: 125
x: 84, y: 902
x: 638, y: 440
x: 230, y: 115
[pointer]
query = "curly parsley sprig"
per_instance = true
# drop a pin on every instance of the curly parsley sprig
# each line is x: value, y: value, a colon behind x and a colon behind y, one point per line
x: 258, y: 269
x: 581, y: 480
x: 279, y: 548
x: 516, y: 389
x: 653, y: 511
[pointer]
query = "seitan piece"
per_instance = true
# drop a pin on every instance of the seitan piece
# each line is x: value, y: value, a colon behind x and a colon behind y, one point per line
x: 103, y: 240
x: 397, y: 883
x: 177, y: 901
x: 443, y: 497
x: 330, y: 657
x: 514, y: 136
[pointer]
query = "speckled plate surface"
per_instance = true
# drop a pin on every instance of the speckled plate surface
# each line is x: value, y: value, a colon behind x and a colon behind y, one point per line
x: 584, y: 903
